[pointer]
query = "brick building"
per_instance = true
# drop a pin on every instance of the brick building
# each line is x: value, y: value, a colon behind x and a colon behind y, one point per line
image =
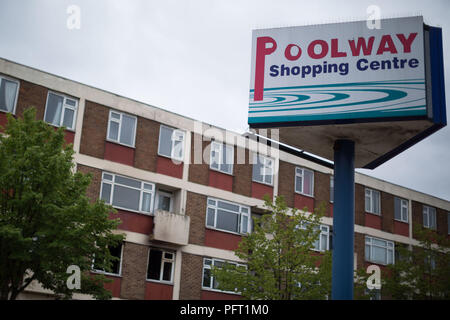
x: 183, y: 210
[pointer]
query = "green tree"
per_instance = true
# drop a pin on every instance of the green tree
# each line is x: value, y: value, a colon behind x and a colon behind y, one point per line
x: 280, y: 264
x: 420, y: 272
x: 47, y: 223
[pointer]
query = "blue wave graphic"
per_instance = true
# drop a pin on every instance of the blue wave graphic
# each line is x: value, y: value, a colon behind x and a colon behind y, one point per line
x: 392, y: 98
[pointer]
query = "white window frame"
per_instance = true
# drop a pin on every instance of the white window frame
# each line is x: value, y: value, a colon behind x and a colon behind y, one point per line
x: 167, y: 194
x: 241, y: 214
x: 389, y: 247
x: 110, y: 273
x: 119, y: 121
x: 142, y: 190
x: 324, y: 230
x: 426, y: 210
x: 404, y: 204
x: 175, y: 133
x: 64, y: 107
x: 205, y: 267
x: 265, y: 167
x: 218, y: 147
x: 17, y: 92
x: 300, y: 172
x: 371, y: 201
x: 161, y: 270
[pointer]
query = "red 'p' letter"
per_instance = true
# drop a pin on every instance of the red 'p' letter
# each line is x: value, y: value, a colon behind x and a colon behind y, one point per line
x: 261, y: 52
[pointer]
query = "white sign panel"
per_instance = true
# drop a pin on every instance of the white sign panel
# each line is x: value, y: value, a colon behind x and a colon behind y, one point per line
x: 338, y: 73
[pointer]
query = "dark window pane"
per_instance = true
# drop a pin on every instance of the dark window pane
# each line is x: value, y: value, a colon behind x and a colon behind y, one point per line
x: 227, y: 221
x: 116, y: 252
x: 68, y: 118
x: 126, y: 198
x: 128, y: 182
x: 154, y: 265
x: 167, y: 271
x: 397, y: 209
x: 106, y: 192
x: 8, y: 90
x: 127, y: 130
x: 207, y: 278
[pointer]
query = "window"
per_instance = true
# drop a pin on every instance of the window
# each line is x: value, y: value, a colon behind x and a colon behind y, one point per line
x: 379, y: 251
x: 227, y: 216
x: 126, y: 193
x: 122, y: 128
x: 208, y: 281
x: 331, y: 189
x: 8, y: 94
x: 429, y: 217
x: 116, y: 268
x: 171, y: 143
x: 430, y: 261
x: 164, y: 200
x: 372, y: 201
x: 322, y: 243
x: 160, y: 265
x: 304, y: 181
x: 401, y: 209
x: 263, y: 169
x: 61, y: 110
x: 222, y: 157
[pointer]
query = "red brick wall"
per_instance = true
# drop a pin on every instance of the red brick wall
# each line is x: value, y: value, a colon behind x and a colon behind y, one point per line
x: 134, y: 270
x: 387, y: 212
x: 196, y: 210
x: 119, y: 153
x: 322, y: 191
x: 359, y: 248
x: 441, y: 221
x: 93, y: 191
x: 199, y: 173
x: 259, y: 190
x: 242, y: 180
x: 220, y: 180
x: 221, y: 240
x: 417, y: 216
x: 95, y: 126
x: 191, y: 277
x: 147, y: 137
x: 158, y: 291
x: 169, y: 167
x: 359, y: 205
x: 212, y: 295
x: 286, y: 182
x: 31, y: 94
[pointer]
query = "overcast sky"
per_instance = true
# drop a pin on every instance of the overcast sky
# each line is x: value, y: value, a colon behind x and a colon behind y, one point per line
x: 193, y: 57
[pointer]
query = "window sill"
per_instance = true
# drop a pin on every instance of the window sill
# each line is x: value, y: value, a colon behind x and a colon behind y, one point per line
x: 55, y: 126
x: 263, y: 183
x: 304, y: 194
x: 115, y: 275
x: 374, y: 214
x: 176, y: 161
x: 121, y: 144
x: 220, y: 291
x: 169, y: 283
x: 150, y: 214
x: 227, y: 173
x: 405, y: 222
x: 12, y: 113
x: 226, y: 231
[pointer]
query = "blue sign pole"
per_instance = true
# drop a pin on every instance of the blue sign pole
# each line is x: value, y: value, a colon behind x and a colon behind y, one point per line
x: 343, y: 220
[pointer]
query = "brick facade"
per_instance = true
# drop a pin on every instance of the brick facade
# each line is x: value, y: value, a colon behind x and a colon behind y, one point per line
x: 134, y: 270
x: 196, y: 210
x: 191, y: 277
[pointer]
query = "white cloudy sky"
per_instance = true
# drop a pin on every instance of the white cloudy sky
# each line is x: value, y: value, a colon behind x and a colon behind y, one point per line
x: 193, y: 57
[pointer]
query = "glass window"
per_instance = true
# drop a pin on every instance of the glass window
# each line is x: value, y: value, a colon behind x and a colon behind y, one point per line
x: 171, y: 143
x: 263, y: 169
x: 222, y: 157
x: 116, y: 252
x: 379, y: 251
x: 323, y: 241
x: 429, y: 217
x: 126, y: 193
x: 164, y: 200
x: 208, y: 281
x: 8, y: 94
x: 401, y: 209
x: 227, y: 216
x: 160, y: 265
x: 372, y: 201
x: 304, y: 181
x: 60, y: 110
x: 122, y: 128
